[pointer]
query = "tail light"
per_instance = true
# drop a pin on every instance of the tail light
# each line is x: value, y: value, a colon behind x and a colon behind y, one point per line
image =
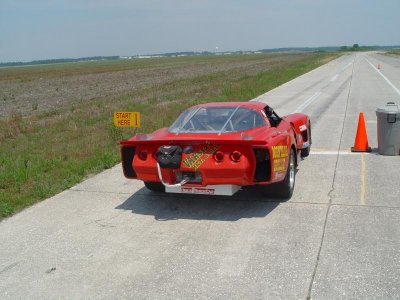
x: 235, y: 156
x: 219, y: 156
x: 142, y: 155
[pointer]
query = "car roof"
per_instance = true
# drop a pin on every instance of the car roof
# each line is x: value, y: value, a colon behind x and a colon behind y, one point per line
x: 248, y: 104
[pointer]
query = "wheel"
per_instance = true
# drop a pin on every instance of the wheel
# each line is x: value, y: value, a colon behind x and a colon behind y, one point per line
x: 155, y: 186
x: 285, y: 188
x: 306, y: 152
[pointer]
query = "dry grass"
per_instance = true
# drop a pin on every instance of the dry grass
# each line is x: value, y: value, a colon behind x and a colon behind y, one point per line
x: 394, y: 52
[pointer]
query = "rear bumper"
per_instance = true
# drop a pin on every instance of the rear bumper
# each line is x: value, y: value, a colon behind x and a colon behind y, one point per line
x: 223, y: 190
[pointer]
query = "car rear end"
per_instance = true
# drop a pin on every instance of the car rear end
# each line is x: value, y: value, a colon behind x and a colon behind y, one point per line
x: 214, y: 168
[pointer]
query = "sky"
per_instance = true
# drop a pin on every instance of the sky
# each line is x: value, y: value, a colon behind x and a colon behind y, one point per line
x: 46, y: 29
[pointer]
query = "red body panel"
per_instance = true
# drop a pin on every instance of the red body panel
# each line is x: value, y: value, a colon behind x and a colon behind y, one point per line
x: 275, y: 142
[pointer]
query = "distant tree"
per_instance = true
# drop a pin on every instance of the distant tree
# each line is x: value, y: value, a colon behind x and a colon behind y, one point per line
x: 356, y: 46
x: 343, y: 48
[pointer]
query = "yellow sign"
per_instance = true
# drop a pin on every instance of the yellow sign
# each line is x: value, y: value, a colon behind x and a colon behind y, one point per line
x: 127, y: 119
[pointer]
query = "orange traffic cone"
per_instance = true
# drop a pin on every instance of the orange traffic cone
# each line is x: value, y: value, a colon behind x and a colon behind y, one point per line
x: 361, y: 141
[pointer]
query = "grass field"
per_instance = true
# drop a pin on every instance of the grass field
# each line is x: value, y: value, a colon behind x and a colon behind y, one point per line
x: 394, y: 52
x: 48, y: 144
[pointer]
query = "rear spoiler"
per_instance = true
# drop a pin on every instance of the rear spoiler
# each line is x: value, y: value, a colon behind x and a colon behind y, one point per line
x: 134, y: 141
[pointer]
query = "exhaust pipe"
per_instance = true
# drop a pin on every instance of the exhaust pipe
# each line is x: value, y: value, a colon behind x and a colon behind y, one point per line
x: 185, y: 180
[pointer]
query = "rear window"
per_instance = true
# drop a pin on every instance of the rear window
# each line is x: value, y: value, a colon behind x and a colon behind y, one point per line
x: 217, y: 120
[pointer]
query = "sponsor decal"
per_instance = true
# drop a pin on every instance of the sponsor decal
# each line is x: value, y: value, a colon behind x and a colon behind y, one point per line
x: 203, y: 191
x: 280, y: 151
x: 303, y: 127
x: 279, y: 164
x: 196, y: 159
x: 279, y: 155
x: 186, y: 190
x: 194, y: 190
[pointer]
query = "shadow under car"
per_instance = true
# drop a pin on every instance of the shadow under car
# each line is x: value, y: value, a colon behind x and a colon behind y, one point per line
x: 247, y: 203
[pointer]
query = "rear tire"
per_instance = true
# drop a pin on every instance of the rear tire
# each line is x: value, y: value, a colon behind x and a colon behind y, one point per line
x: 285, y: 188
x: 155, y: 186
x: 306, y: 152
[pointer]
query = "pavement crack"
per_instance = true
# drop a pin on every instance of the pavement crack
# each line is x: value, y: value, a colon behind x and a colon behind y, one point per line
x: 103, y: 225
x: 331, y: 191
x: 102, y: 222
x: 9, y: 267
x: 51, y: 270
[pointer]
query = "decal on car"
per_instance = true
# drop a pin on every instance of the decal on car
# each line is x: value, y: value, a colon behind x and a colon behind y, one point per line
x: 196, y: 159
x: 279, y: 151
x: 197, y: 190
x: 279, y: 164
x: 279, y: 154
x: 303, y: 127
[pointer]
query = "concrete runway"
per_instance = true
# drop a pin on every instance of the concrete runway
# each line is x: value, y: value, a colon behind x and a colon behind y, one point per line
x: 337, y: 237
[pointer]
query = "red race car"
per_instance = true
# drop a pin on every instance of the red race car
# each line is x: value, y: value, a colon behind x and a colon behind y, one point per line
x: 218, y: 148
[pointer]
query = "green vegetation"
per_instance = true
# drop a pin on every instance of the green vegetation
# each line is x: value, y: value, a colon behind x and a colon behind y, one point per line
x: 47, y: 152
x: 394, y: 52
x: 357, y: 47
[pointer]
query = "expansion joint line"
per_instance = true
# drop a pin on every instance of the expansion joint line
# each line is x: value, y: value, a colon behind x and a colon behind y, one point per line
x: 330, y: 193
